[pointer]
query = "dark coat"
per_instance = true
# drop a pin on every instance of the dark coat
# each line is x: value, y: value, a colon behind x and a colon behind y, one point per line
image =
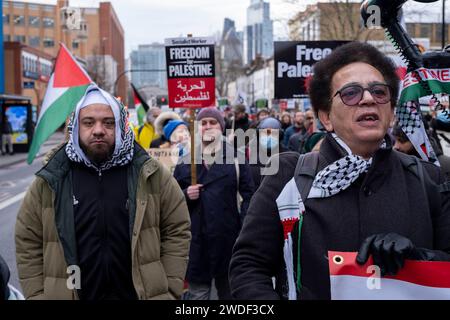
x: 257, y: 164
x: 4, y: 278
x: 297, y: 141
x: 6, y: 128
x: 388, y: 198
x: 289, y: 133
x: 243, y: 123
x: 215, y: 219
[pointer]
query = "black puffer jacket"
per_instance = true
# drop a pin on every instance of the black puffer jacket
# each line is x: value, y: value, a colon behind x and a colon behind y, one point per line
x: 388, y: 198
x: 4, y: 278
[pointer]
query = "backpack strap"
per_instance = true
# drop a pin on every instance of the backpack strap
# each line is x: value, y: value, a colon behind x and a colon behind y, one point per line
x: 414, y: 165
x: 305, y: 172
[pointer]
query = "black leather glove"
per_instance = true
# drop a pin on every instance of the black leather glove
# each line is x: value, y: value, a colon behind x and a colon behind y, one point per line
x: 390, y: 250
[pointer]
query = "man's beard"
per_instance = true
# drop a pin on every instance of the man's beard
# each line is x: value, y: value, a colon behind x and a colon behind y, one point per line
x: 97, y: 154
x: 300, y: 125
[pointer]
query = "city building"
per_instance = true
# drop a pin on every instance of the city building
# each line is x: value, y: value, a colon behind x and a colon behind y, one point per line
x: 430, y: 30
x: 342, y: 21
x: 27, y: 71
x: 94, y: 35
x: 231, y: 43
x: 149, y: 57
x: 258, y: 33
x: 331, y: 21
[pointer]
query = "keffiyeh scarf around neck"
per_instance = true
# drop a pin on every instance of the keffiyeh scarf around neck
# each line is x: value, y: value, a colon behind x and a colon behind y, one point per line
x: 123, y: 150
x: 331, y: 180
x: 340, y: 174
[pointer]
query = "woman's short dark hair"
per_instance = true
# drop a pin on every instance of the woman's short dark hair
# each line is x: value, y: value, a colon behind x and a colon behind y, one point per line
x: 324, y: 70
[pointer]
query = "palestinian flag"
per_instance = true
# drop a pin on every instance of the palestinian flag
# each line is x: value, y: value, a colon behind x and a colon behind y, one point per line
x: 438, y: 81
x: 417, y: 280
x: 140, y: 105
x: 67, y: 85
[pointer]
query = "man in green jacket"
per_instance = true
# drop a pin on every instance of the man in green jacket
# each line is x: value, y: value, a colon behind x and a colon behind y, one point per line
x: 102, y: 220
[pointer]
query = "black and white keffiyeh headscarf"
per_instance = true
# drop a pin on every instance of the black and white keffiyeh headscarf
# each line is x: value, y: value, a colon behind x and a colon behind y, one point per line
x: 410, y: 120
x: 124, y: 137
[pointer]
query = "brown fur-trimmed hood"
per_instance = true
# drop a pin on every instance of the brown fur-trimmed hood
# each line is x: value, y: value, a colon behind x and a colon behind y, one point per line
x: 163, y: 118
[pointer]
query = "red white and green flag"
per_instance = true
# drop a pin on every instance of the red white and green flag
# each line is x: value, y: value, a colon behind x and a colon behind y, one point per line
x: 438, y: 81
x: 68, y: 84
x: 417, y: 280
x: 417, y: 84
x: 140, y: 105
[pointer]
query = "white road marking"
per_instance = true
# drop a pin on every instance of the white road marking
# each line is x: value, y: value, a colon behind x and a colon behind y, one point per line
x: 12, y: 200
x: 4, y: 196
x: 7, y: 184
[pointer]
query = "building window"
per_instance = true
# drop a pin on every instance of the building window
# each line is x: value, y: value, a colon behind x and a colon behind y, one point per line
x: 5, y: 18
x: 20, y: 39
x: 6, y: 37
x: 438, y: 33
x: 410, y: 28
x: 425, y: 30
x: 45, y: 69
x: 34, y: 41
x: 34, y: 21
x: 48, y: 42
x: 33, y: 6
x: 75, y: 44
x: 48, y: 8
x: 5, y: 4
x: 19, y: 20
x: 19, y: 5
x: 48, y: 22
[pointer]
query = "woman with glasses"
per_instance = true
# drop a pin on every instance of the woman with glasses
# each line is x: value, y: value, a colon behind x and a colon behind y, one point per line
x: 356, y: 194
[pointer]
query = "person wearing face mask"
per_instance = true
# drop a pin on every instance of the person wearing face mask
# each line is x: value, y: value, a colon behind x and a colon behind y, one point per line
x: 216, y: 215
x: 268, y: 137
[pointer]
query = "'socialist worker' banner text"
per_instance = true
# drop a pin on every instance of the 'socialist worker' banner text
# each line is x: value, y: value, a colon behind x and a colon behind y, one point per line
x: 190, y: 72
x: 294, y: 65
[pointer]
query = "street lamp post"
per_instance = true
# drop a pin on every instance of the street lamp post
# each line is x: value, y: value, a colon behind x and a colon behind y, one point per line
x: 104, y: 60
x: 134, y: 70
x: 443, y: 25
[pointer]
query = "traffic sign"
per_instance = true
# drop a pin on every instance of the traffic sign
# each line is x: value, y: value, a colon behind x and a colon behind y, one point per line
x: 28, y: 84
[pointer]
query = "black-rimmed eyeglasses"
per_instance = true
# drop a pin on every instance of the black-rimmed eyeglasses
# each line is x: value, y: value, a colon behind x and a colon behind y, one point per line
x: 351, y: 95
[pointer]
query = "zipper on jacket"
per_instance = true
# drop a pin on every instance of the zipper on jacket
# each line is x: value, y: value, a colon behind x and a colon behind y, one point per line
x: 100, y: 175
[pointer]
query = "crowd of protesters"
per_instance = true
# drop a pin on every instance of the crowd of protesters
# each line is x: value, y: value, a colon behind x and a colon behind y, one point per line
x: 223, y: 233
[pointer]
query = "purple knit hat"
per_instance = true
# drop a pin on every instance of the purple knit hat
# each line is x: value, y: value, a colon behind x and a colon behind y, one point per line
x: 211, y: 112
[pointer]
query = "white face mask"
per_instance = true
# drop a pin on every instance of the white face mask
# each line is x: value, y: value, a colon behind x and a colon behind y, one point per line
x: 268, y: 142
x: 183, y: 149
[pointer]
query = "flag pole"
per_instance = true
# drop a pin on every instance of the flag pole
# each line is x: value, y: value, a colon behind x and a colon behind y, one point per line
x: 192, y: 132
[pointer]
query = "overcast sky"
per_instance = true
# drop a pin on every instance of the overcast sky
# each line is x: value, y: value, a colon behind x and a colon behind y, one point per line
x: 147, y: 21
